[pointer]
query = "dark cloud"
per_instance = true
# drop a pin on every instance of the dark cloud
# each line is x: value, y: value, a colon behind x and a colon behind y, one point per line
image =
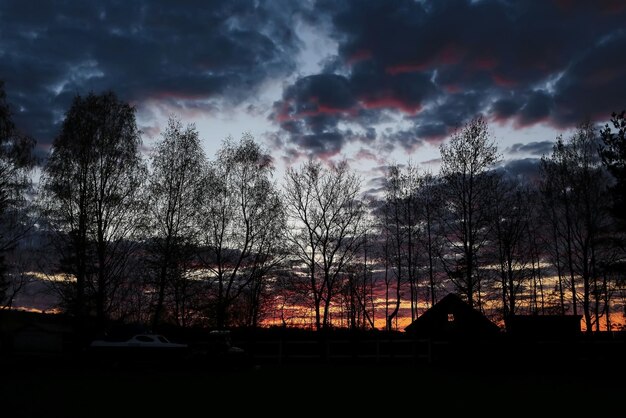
x: 314, y: 105
x: 538, y: 148
x: 376, y: 88
x: 325, y: 143
x: 440, y: 63
x: 536, y: 109
x: 407, y: 139
x: 428, y: 65
x: 527, y: 169
x: 434, y: 124
x: 505, y: 108
x: 315, y: 99
x: 452, y: 110
x: 190, y: 55
x: 524, y: 108
x: 593, y: 87
x: 310, y: 111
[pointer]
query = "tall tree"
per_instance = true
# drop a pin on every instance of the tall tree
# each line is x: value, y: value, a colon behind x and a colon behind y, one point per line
x: 431, y: 239
x: 91, y: 184
x: 558, y: 204
x: 174, y: 191
x: 613, y: 153
x: 575, y: 185
x: 16, y: 161
x: 400, y: 219
x: 465, y: 163
x: 324, y: 227
x: 242, y: 219
x: 510, y: 231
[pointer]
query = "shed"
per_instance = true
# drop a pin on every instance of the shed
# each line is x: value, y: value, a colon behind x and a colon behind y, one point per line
x: 452, y: 317
x: 544, y: 326
x: 32, y: 332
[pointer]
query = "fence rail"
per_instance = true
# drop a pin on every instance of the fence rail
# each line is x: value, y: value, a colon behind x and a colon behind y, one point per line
x: 279, y: 351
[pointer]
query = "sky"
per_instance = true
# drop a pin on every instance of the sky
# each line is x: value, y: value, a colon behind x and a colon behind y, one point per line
x: 374, y: 82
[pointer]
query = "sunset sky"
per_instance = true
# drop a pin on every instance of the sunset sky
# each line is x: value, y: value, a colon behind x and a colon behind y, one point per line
x: 371, y: 81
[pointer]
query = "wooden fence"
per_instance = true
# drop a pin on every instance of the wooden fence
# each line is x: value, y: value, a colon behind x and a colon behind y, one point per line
x: 378, y: 351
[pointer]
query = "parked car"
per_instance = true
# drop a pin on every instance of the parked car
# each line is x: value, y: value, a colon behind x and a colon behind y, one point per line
x: 144, y: 350
x: 139, y: 341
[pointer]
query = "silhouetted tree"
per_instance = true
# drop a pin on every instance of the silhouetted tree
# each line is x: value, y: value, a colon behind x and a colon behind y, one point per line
x: 241, y: 222
x: 575, y: 186
x: 173, y: 206
x: 466, y: 195
x: 385, y: 256
x: 510, y: 234
x: 324, y: 227
x: 91, y: 193
x: 410, y: 178
x: 357, y: 290
x: 431, y: 235
x: 613, y: 153
x: 400, y: 218
x: 16, y: 161
x: 364, y: 282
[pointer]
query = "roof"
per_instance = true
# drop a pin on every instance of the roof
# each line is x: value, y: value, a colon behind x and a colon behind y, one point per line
x: 452, y: 316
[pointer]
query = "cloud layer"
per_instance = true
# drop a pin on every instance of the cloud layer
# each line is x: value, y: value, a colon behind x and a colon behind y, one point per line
x: 405, y: 72
x: 196, y: 55
x: 439, y: 63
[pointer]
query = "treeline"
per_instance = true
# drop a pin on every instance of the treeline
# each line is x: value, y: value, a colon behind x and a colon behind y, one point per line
x: 185, y: 239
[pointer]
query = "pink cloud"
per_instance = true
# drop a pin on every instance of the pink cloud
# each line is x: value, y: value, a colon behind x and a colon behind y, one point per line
x: 389, y: 102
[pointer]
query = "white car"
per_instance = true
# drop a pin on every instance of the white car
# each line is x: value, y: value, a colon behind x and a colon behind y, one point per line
x: 139, y: 341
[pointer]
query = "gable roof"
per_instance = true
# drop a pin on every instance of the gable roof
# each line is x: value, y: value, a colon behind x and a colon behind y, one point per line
x: 452, y: 316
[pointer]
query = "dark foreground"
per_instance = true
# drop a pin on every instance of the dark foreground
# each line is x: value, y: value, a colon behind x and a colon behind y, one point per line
x: 40, y: 387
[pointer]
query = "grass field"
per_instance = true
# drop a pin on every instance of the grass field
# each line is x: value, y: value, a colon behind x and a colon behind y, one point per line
x: 43, y: 389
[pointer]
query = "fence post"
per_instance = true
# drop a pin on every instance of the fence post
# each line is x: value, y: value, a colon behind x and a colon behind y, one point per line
x: 327, y: 351
x: 377, y: 350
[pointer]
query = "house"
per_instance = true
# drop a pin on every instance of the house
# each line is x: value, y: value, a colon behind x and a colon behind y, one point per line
x: 544, y: 327
x: 33, y: 332
x: 450, y: 318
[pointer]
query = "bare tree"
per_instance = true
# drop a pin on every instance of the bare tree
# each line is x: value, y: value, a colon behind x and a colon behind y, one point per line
x: 558, y: 202
x: 431, y: 234
x: 174, y: 198
x: 410, y: 182
x: 575, y: 185
x: 385, y: 256
x: 358, y: 289
x: 400, y: 220
x: 91, y: 193
x: 510, y: 237
x: 365, y: 282
x: 613, y: 153
x: 324, y: 227
x: 16, y: 161
x: 465, y: 163
x: 242, y: 219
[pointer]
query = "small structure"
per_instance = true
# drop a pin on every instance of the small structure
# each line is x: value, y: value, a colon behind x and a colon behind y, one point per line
x: 545, y: 327
x: 32, y: 332
x: 452, y: 318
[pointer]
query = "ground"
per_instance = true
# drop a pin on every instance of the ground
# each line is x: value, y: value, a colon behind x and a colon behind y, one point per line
x: 43, y: 388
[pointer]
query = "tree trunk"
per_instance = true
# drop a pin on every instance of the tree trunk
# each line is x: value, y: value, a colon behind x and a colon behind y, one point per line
x: 431, y: 275
x: 162, y: 281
